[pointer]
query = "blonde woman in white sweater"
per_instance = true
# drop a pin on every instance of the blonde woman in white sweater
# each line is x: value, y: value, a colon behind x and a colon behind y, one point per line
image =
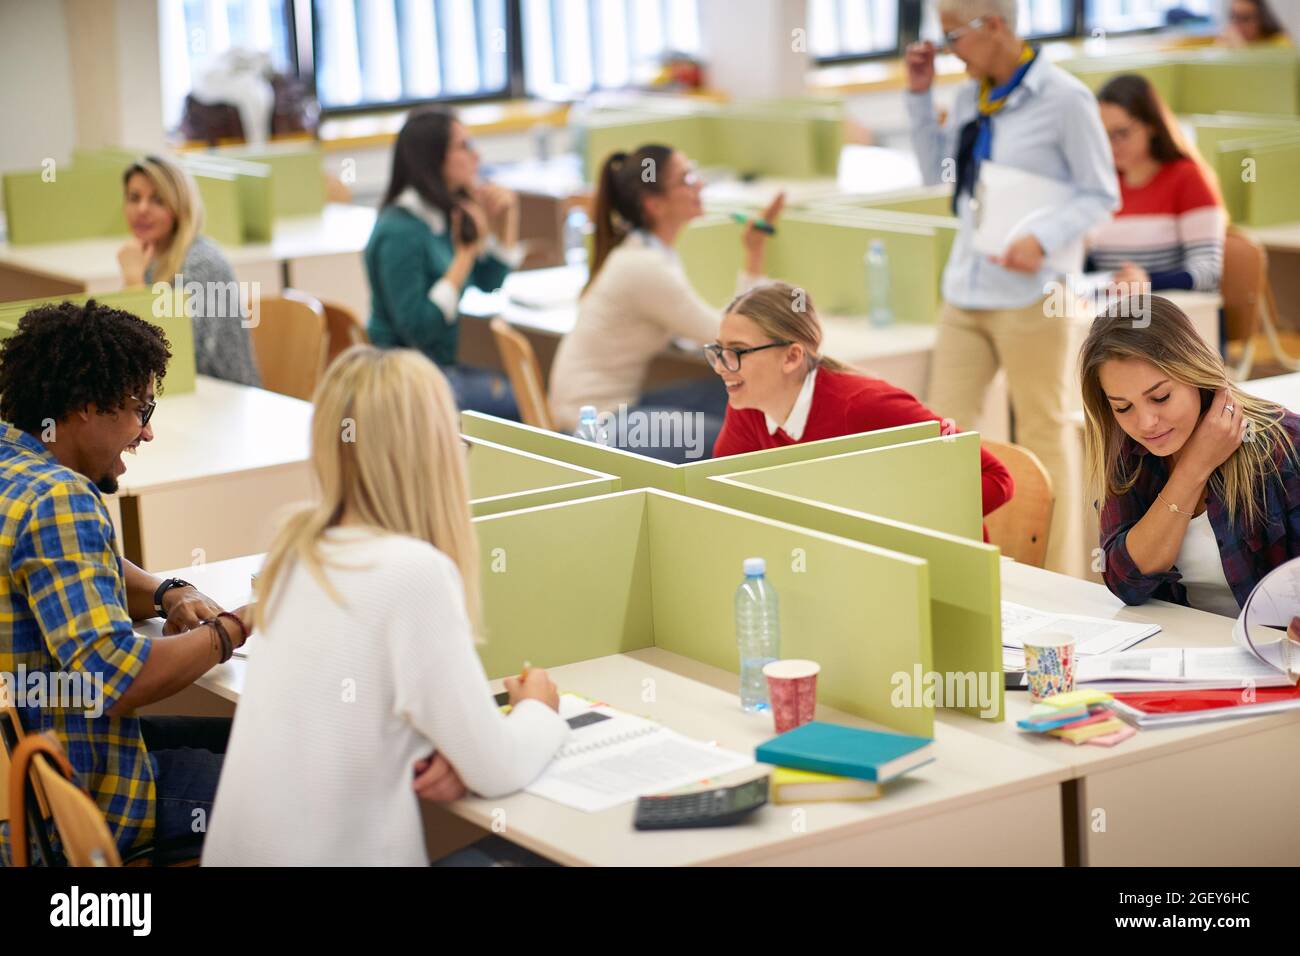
x: 638, y: 300
x: 365, y: 692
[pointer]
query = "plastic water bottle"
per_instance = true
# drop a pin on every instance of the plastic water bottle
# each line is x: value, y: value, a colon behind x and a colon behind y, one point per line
x: 588, y: 426
x: 877, y: 267
x: 758, y: 633
x: 575, y: 237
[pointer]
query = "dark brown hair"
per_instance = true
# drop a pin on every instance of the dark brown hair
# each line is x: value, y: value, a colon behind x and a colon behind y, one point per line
x: 418, y: 155
x: 625, y: 180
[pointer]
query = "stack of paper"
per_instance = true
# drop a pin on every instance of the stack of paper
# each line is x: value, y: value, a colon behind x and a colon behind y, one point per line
x: 1093, y: 635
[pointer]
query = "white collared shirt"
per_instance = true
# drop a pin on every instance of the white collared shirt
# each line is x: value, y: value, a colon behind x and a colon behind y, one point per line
x: 798, y: 418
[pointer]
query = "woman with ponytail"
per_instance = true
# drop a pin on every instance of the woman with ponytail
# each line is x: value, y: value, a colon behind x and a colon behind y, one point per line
x: 1198, y: 482
x: 439, y: 230
x: 638, y: 298
x: 365, y: 692
x: 782, y: 391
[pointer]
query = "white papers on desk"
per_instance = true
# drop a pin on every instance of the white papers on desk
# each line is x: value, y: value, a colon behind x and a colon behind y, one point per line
x: 1093, y: 635
x: 1261, y: 627
x: 617, y: 760
x: 545, y: 288
x: 1010, y: 202
x: 1177, y: 668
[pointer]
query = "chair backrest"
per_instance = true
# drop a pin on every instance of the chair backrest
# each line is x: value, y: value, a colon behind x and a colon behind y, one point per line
x: 344, y: 330
x: 11, y: 735
x: 525, y: 374
x: 1020, y: 527
x: 289, y: 340
x: 1243, y: 285
x: 83, y: 832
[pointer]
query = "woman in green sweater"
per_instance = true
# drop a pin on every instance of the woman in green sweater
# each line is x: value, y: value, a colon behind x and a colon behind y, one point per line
x: 439, y: 230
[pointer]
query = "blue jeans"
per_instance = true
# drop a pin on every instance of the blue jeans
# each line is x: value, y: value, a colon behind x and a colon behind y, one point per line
x: 493, y: 851
x: 656, y: 428
x: 186, y: 753
x: 481, y: 390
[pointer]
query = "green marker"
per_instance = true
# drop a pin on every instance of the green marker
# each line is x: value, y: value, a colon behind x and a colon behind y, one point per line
x: 762, y: 225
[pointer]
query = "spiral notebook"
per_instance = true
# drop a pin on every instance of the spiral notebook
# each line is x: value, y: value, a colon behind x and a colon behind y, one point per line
x: 610, y: 758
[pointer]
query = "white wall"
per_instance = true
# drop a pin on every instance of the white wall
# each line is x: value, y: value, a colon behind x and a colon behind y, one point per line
x: 750, y: 48
x: 35, y: 85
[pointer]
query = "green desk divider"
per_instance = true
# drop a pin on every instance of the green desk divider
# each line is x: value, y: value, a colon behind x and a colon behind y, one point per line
x: 1259, y: 81
x: 965, y: 583
x: 297, y: 174
x: 926, y: 200
x: 603, y: 135
x: 1162, y: 72
x: 223, y: 219
x: 636, y: 569
x: 710, y: 251
x: 1253, y: 195
x: 255, y: 184
x: 755, y: 144
x: 141, y: 302
x: 638, y: 471
x: 506, y: 479
x: 79, y: 202
x: 1213, y: 129
x: 933, y: 483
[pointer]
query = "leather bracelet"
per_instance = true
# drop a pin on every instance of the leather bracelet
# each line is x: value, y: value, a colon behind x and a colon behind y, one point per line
x: 227, y: 647
x: 243, y: 631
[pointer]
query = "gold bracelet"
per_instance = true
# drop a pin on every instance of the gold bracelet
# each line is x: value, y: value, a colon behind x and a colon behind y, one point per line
x: 1174, y: 508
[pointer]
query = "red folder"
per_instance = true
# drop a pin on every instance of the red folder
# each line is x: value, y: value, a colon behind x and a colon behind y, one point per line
x: 1191, y: 701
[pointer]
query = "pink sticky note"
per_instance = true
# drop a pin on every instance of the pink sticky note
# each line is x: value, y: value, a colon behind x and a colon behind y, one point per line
x: 1110, y: 740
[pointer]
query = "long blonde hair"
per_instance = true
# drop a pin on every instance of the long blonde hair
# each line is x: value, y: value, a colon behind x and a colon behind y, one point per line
x: 786, y: 313
x: 178, y: 192
x: 1171, y: 343
x: 385, y: 447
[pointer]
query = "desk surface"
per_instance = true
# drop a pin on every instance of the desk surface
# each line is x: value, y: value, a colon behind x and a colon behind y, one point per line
x: 1284, y: 237
x: 1180, y: 627
x: 1283, y: 389
x: 699, y: 701
x: 339, y: 229
x: 219, y: 428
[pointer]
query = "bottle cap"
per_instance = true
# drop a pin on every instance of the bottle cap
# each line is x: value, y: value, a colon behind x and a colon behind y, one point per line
x: 755, y: 567
x: 587, y: 413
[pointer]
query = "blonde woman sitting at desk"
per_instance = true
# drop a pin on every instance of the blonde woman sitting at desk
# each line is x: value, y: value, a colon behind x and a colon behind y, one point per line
x: 374, y: 588
x: 165, y: 215
x: 1198, y: 483
x: 638, y: 299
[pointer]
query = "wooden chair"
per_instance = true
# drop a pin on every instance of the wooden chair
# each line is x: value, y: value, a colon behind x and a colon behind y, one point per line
x: 1249, y: 308
x: 343, y: 329
x: 290, y: 341
x: 84, y: 835
x: 525, y: 374
x: 31, y: 798
x: 1021, y: 526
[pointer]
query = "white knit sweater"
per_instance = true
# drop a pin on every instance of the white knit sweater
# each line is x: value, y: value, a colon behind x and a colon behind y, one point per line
x: 340, y: 702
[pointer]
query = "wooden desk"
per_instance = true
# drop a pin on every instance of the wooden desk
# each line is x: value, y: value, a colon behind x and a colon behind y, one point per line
x: 1283, y: 389
x: 319, y: 254
x: 1283, y: 245
x: 980, y: 803
x: 224, y: 460
x: 1221, y: 793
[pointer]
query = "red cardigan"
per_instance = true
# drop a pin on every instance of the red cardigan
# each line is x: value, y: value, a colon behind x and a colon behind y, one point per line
x: 845, y: 403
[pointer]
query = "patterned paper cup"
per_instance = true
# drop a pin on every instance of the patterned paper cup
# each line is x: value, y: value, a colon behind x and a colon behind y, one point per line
x: 1049, y: 663
x: 792, y: 689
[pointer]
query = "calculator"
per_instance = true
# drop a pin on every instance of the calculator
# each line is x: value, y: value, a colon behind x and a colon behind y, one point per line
x: 720, y: 807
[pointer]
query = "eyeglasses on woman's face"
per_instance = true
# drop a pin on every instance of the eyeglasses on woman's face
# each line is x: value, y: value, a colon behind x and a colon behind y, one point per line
x: 952, y: 36
x: 726, y: 359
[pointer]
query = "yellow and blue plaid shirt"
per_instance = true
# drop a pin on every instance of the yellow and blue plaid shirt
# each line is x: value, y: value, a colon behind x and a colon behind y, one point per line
x: 63, y: 609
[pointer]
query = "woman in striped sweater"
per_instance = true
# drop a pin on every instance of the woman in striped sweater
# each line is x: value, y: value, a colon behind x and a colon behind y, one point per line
x: 1170, y: 226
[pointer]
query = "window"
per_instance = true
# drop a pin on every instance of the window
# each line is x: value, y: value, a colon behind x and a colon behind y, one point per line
x: 1034, y: 19
x: 376, y: 52
x: 573, y: 46
x: 1119, y: 15
x: 845, y: 29
x: 193, y: 32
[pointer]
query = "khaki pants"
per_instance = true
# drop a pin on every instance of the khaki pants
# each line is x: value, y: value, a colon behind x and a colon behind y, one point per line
x: 1036, y: 351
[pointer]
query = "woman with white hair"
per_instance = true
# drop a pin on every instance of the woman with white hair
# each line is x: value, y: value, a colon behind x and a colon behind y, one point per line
x: 1020, y: 111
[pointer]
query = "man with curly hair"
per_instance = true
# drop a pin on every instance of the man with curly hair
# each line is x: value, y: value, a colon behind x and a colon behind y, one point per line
x: 77, y: 391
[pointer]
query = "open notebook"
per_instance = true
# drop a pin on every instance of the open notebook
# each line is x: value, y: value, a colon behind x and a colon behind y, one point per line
x: 611, y: 758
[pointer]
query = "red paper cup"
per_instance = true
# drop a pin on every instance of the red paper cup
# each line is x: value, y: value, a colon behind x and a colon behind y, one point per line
x: 792, y: 690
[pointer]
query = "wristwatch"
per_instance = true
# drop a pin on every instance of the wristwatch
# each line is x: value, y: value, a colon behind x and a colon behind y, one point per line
x: 163, y: 588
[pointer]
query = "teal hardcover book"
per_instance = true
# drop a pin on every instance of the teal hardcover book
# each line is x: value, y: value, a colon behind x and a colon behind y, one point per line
x: 847, y: 751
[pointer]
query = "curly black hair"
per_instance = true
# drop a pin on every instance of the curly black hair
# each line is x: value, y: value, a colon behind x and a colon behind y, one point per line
x: 64, y: 357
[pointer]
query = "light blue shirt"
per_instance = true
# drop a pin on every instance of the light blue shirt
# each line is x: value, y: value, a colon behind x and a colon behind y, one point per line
x: 1050, y: 126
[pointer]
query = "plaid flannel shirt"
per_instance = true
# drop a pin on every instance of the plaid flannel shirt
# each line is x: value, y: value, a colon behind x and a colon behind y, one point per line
x: 1248, y: 553
x: 63, y: 611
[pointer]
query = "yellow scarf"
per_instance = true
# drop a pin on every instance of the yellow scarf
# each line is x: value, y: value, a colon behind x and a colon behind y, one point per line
x: 990, y: 106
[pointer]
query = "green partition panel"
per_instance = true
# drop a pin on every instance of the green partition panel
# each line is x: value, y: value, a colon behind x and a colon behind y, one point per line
x: 506, y: 479
x: 926, y: 200
x: 142, y: 302
x: 754, y: 144
x: 602, y: 135
x: 1253, y: 81
x: 223, y: 219
x: 255, y: 184
x: 965, y: 584
x: 862, y: 613
x: 1273, y: 196
x: 565, y: 583
x: 635, y: 569
x: 638, y: 471
x: 1213, y: 129
x: 933, y: 483
x: 297, y: 174
x: 78, y: 202
x: 710, y: 252
x: 1237, y: 163
x: 1163, y: 73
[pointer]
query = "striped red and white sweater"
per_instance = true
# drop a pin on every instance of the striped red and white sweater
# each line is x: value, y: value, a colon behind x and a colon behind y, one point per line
x: 1172, y: 227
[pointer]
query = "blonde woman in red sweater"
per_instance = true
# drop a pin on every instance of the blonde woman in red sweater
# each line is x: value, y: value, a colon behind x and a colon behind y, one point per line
x: 781, y: 390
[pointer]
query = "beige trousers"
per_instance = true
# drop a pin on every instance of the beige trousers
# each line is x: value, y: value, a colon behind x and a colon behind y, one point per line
x: 1036, y: 350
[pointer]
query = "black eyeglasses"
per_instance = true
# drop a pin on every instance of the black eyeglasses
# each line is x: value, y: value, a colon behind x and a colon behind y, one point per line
x: 146, y: 412
x: 729, y: 359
